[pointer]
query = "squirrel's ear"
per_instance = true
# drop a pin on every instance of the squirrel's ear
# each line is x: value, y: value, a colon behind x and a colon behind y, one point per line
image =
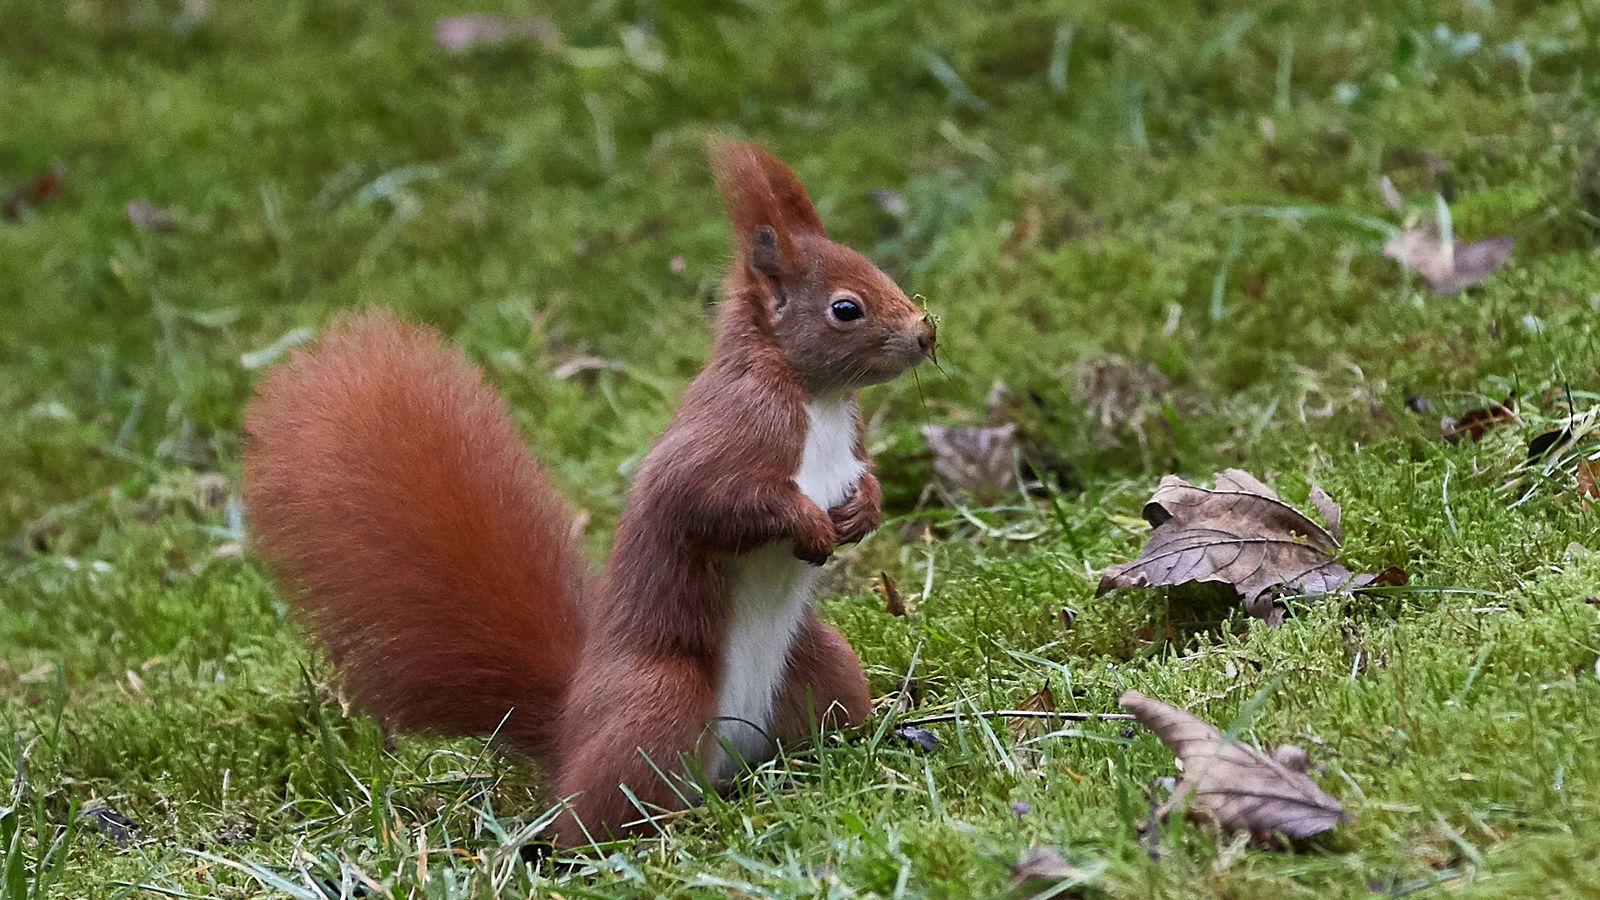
x: 766, y: 205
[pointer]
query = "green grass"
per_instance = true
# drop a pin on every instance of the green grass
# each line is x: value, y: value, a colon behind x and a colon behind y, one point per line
x: 1186, y: 185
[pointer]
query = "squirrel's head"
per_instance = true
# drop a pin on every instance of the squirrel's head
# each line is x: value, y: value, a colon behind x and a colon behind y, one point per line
x: 839, y: 322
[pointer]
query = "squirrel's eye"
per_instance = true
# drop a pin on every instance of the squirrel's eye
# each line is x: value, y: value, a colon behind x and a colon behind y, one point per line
x: 846, y: 310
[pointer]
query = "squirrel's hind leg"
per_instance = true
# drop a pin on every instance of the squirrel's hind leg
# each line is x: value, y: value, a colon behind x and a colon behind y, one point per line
x: 630, y: 722
x: 824, y: 685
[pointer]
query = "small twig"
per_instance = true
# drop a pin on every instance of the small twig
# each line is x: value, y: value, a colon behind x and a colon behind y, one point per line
x: 1020, y: 714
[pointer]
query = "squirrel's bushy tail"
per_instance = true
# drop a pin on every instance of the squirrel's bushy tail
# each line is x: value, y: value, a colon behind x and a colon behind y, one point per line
x: 390, y: 493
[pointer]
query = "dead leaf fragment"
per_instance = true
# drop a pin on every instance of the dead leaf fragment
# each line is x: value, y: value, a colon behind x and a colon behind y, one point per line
x: 1234, y: 784
x: 980, y: 462
x: 919, y: 738
x: 1328, y: 508
x: 893, y: 603
x: 1391, y: 576
x: 1240, y: 534
x: 1448, y: 267
x: 1474, y: 423
x: 1588, y: 483
x: 1047, y: 864
x: 1042, y: 700
x: 115, y: 826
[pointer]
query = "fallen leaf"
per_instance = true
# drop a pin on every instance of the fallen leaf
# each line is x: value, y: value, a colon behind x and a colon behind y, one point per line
x: 459, y: 34
x: 150, y: 217
x: 919, y: 738
x: 31, y: 192
x: 1047, y: 863
x: 1391, y: 576
x: 1328, y: 509
x: 107, y: 821
x: 1588, y: 482
x: 1042, y: 700
x: 1239, y: 534
x: 237, y: 832
x: 1448, y: 267
x: 978, y: 461
x: 893, y: 603
x: 1474, y: 423
x: 1234, y: 784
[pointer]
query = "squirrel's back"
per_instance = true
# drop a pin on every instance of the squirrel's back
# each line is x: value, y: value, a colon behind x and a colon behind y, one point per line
x: 389, y: 491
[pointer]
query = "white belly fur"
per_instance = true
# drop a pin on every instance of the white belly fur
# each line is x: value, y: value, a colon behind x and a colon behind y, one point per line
x: 769, y: 593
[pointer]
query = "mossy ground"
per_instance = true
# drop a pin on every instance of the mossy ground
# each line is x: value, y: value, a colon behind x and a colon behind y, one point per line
x: 1186, y: 185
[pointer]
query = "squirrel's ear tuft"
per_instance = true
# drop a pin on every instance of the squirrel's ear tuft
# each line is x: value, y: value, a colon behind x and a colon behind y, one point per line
x: 766, y: 205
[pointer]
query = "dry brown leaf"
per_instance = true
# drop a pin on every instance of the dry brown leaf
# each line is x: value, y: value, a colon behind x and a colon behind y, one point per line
x: 980, y: 462
x: 1239, y: 534
x: 1391, y: 576
x: 1588, y: 482
x: 920, y: 739
x: 1474, y: 423
x: 1046, y: 863
x: 1328, y: 508
x: 1234, y: 784
x: 114, y: 826
x: 1448, y: 267
x: 893, y: 603
x: 1042, y: 700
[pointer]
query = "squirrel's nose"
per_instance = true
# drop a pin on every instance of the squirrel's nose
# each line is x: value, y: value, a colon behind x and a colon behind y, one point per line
x: 926, y: 336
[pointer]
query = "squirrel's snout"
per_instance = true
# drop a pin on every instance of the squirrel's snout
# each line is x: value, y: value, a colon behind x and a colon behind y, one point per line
x: 926, y: 337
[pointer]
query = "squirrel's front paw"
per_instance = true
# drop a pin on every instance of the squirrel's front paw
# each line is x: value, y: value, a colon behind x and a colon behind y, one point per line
x: 861, y: 512
x: 815, y: 536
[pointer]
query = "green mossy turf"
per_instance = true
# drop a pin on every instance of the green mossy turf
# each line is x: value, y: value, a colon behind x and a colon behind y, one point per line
x: 1187, y: 186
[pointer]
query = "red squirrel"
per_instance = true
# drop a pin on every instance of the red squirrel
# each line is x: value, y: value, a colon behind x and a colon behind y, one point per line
x: 390, y: 494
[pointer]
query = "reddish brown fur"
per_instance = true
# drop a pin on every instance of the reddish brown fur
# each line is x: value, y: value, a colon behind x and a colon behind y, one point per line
x: 391, y: 494
x: 382, y: 474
